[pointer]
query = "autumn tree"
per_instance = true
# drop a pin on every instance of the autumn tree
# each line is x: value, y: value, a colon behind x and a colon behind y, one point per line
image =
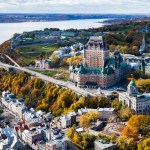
x: 54, y: 58
x: 84, y: 121
x: 124, y: 143
x: 139, y: 122
x: 87, y: 141
x: 70, y: 132
x: 143, y: 84
x: 116, y: 104
x: 66, y: 98
x: 125, y: 114
x: 74, y: 60
x: 144, y: 145
x: 130, y: 132
x: 93, y: 116
x: 77, y: 138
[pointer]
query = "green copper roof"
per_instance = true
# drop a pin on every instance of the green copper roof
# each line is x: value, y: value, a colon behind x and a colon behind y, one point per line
x: 94, y: 70
x: 124, y: 66
x: 132, y: 83
x: 110, y: 62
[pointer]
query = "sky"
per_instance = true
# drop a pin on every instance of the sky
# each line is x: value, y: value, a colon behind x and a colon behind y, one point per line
x: 76, y: 6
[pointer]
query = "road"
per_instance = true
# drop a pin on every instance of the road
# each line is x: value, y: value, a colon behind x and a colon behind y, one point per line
x: 50, y: 79
x: 12, y: 61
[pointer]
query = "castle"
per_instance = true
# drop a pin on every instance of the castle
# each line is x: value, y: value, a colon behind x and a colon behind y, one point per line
x: 98, y: 68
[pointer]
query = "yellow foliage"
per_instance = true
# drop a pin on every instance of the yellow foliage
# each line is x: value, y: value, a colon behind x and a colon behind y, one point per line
x: 74, y: 60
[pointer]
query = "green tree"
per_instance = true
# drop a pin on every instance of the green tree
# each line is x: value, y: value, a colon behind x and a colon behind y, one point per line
x: 116, y: 104
x: 126, y: 114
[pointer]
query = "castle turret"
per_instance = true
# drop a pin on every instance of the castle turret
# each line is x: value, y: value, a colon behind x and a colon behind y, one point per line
x: 132, y: 89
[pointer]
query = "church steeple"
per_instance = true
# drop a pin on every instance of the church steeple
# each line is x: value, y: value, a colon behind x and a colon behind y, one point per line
x: 142, y: 47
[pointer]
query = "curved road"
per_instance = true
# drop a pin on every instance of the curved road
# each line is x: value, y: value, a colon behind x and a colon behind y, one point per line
x: 50, y: 79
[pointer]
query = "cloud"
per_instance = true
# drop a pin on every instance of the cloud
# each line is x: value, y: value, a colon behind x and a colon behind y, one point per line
x: 75, y: 6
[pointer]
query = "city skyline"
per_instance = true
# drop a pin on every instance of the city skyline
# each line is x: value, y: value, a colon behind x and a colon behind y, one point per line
x: 76, y: 6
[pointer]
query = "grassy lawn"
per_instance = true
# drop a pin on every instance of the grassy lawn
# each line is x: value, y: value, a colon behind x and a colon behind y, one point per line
x: 50, y: 73
x: 46, y: 72
x: 65, y: 76
x: 39, y: 48
x: 28, y: 58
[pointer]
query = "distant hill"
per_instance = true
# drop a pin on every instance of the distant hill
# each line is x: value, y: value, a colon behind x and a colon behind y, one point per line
x: 11, y: 18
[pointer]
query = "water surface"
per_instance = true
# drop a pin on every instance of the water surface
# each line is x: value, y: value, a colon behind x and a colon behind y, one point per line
x: 8, y: 29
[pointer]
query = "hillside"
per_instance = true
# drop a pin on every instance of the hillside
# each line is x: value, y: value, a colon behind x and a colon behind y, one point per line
x: 126, y: 37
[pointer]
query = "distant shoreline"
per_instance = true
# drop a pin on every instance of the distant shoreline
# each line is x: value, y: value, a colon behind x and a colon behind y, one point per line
x: 22, y: 18
x: 28, y: 21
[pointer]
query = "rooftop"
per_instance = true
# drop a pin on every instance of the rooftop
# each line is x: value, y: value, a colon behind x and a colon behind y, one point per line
x: 103, y: 145
x: 96, y: 43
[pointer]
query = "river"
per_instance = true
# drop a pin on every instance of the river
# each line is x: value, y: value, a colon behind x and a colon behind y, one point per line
x: 8, y: 29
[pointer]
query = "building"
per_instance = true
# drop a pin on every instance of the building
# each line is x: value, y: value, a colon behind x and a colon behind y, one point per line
x: 102, y: 145
x: 19, y: 128
x: 31, y: 136
x: 56, y: 145
x: 33, y: 118
x: 9, y: 140
x: 105, y: 113
x: 98, y: 68
x: 41, y: 145
x: 68, y: 120
x: 68, y: 34
x: 146, y: 29
x: 138, y: 102
x: 45, y: 64
x: 15, y: 105
x: 138, y: 63
x: 147, y: 69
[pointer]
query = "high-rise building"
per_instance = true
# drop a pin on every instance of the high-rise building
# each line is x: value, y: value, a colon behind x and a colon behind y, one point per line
x: 96, y: 52
x: 98, y: 69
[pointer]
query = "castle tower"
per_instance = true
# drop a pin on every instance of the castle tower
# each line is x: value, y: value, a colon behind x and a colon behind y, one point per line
x: 132, y: 89
x: 96, y: 52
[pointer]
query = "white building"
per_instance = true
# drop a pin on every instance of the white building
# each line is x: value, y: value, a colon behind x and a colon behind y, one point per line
x: 138, y: 102
x: 68, y: 120
x: 15, y: 105
x: 30, y: 136
x: 56, y: 145
x: 45, y: 64
x: 33, y: 118
x: 147, y: 69
x: 105, y: 113
x: 8, y: 139
x: 102, y: 145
